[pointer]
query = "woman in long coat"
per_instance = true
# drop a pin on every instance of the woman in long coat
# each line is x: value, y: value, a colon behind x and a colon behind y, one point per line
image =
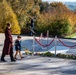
x: 8, y: 44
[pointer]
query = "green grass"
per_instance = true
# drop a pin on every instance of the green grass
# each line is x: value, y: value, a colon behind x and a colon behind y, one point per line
x: 71, y: 36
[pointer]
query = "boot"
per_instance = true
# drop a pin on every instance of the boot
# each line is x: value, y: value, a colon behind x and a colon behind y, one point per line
x: 2, y: 58
x: 12, y: 59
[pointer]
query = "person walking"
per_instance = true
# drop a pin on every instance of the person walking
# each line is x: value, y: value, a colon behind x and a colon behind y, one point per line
x: 8, y: 44
x: 18, y: 47
x: 32, y: 25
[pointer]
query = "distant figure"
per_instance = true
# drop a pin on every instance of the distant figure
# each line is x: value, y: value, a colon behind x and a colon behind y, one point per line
x: 18, y: 47
x: 8, y: 44
x: 32, y: 24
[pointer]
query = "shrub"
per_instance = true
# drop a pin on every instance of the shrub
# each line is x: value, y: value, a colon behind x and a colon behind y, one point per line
x: 48, y: 54
x: 66, y: 56
x: 38, y: 53
x: 60, y: 27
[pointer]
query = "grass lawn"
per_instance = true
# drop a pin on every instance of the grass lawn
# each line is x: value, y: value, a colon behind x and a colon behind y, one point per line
x: 71, y: 36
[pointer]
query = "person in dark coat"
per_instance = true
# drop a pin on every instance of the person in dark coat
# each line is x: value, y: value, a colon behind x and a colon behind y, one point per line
x: 32, y: 25
x: 8, y: 44
x: 18, y: 47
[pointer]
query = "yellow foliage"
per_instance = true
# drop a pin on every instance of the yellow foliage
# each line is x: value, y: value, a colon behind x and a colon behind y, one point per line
x: 7, y: 15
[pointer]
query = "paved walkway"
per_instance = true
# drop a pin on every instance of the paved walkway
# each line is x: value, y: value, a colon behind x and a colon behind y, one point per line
x: 36, y: 65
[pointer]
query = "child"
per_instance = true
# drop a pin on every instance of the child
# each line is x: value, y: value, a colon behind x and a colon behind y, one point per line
x: 18, y: 46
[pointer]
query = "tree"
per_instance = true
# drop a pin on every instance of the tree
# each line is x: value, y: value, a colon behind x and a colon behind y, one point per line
x: 7, y: 15
x: 24, y: 9
x: 44, y: 6
x: 45, y: 14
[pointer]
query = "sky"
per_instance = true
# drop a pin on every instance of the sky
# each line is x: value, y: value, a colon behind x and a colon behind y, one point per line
x: 60, y: 0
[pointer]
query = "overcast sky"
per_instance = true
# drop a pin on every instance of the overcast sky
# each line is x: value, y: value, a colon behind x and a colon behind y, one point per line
x: 61, y: 0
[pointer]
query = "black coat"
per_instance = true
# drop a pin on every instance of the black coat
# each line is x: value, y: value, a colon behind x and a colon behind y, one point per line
x: 32, y: 23
x: 17, y: 45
